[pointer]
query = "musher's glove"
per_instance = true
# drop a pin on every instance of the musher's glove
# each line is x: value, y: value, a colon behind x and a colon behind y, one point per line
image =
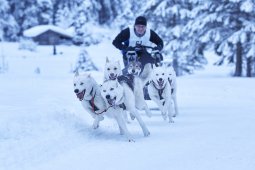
x: 156, y: 54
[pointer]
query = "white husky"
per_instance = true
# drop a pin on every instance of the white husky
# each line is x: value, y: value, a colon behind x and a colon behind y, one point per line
x: 88, y: 92
x: 113, y: 71
x: 121, y: 96
x: 159, y: 90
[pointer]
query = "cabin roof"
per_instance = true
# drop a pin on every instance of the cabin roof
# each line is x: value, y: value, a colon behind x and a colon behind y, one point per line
x: 40, y: 29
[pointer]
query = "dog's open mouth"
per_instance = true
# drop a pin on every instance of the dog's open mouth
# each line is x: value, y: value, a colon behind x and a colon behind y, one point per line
x: 80, y: 95
x: 135, y: 73
x: 112, y: 76
x: 112, y: 101
x: 160, y: 83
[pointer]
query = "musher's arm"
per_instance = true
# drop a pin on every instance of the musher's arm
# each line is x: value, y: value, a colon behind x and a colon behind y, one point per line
x: 123, y: 36
x: 156, y: 40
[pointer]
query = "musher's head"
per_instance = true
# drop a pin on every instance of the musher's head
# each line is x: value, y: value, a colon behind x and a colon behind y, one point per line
x: 140, y: 25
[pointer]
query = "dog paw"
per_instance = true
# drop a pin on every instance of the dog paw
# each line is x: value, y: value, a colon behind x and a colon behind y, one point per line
x: 132, y: 117
x: 171, y: 121
x: 131, y: 140
x: 164, y: 116
x: 175, y: 114
x: 95, y: 126
x: 147, y: 134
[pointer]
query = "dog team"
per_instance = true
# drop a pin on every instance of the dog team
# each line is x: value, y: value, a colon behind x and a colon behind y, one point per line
x: 121, y: 95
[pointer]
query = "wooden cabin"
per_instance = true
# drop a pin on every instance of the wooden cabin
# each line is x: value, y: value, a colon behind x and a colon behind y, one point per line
x: 49, y: 35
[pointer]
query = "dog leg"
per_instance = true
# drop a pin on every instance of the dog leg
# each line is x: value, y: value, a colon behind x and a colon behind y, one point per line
x: 123, y: 127
x: 142, y: 124
x: 147, y: 110
x: 126, y: 116
x: 132, y: 116
x: 170, y: 111
x: 162, y: 108
x: 96, y: 122
x: 175, y: 107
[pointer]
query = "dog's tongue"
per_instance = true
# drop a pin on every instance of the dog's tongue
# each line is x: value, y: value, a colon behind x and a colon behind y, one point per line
x: 112, y: 101
x: 80, y: 95
x: 112, y: 77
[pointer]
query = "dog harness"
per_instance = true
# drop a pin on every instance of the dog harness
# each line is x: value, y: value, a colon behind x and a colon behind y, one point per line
x: 92, y: 101
x: 170, y: 81
x: 160, y: 91
x: 129, y: 79
x: 93, y: 106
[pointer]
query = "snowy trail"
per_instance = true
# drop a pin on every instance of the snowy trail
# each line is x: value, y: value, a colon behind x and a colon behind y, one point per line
x: 43, y: 126
x: 53, y: 132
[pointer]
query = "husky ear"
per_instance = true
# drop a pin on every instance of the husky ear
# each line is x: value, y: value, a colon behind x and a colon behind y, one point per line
x: 107, y: 60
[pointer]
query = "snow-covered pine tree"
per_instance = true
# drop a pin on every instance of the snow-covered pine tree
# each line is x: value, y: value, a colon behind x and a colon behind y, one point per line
x: 25, y: 13
x: 44, y: 12
x: 64, y: 16
x: 181, y: 50
x: 86, y: 16
x: 84, y: 62
x: 228, y: 26
x: 123, y: 13
x: 8, y: 25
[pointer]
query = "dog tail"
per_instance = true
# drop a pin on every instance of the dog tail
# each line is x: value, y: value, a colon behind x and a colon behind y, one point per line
x: 145, y: 74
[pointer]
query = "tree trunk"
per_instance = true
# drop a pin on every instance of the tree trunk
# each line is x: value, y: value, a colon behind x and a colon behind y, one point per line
x: 54, y: 50
x: 175, y: 66
x: 249, y: 67
x: 239, y: 50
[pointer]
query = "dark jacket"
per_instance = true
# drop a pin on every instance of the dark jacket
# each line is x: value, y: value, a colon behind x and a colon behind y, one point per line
x: 123, y: 37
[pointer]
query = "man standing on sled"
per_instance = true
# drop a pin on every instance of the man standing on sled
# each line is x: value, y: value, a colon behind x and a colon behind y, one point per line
x: 136, y: 39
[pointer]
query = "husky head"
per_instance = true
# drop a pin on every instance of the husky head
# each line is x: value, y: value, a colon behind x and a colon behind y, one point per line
x: 112, y: 92
x: 112, y: 70
x: 134, y: 67
x: 83, y: 85
x: 159, y: 77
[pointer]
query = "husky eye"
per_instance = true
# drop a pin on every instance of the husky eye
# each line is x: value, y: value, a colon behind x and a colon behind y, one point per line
x: 81, y: 83
x: 157, y: 74
x: 74, y: 84
x: 115, y: 68
x: 111, y: 89
x: 104, y: 90
x: 108, y: 69
x: 163, y: 73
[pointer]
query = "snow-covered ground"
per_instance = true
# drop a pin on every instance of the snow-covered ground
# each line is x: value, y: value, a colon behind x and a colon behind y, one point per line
x: 44, y: 127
